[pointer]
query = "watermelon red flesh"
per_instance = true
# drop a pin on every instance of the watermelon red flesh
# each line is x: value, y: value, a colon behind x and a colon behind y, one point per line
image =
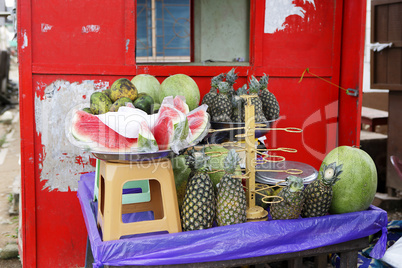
x: 198, y: 122
x: 88, y: 128
x: 179, y: 103
x: 170, y: 127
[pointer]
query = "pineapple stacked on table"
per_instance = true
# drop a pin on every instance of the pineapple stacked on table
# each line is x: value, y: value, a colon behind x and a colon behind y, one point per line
x: 202, y: 205
x: 294, y: 200
x: 226, y: 105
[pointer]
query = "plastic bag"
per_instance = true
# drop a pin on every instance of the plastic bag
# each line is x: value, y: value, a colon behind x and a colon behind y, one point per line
x: 393, y: 255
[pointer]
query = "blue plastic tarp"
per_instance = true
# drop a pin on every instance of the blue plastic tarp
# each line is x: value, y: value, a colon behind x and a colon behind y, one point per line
x: 246, y: 240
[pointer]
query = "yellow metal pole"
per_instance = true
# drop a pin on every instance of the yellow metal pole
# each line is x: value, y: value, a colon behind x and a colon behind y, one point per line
x: 250, y: 152
x: 254, y: 213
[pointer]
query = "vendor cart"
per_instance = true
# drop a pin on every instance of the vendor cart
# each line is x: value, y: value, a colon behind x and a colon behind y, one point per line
x: 311, y: 50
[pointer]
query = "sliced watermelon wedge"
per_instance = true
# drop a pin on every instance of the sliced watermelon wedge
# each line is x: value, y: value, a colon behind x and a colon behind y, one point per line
x: 198, y: 121
x: 171, y: 128
x: 91, y: 133
x: 180, y: 104
x: 146, y: 140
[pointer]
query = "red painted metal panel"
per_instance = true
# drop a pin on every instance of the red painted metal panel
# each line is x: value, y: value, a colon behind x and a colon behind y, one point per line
x: 353, y: 33
x: 27, y: 233
x: 61, y: 41
x: 306, y: 41
x: 78, y: 32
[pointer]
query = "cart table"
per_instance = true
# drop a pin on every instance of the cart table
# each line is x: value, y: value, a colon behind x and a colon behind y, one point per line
x: 240, y: 244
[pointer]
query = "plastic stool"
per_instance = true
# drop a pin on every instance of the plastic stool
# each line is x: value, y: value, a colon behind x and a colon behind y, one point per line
x: 130, y: 189
x: 163, y: 198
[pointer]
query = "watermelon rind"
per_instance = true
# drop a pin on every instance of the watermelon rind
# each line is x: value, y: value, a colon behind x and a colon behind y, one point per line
x: 146, y: 140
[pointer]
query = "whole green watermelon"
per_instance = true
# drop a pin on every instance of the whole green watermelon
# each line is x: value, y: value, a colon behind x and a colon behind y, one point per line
x: 357, y: 186
x: 181, y: 85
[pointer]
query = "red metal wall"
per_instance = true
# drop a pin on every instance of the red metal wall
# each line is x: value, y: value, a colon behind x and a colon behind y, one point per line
x: 77, y: 41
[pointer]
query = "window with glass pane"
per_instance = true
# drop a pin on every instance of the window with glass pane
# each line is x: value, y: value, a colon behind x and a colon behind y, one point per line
x: 163, y: 31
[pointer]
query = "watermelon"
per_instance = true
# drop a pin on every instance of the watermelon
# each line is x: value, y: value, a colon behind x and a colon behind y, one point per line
x: 171, y: 128
x: 148, y: 84
x: 92, y: 133
x: 179, y: 102
x: 181, y: 173
x: 181, y: 85
x: 198, y: 121
x: 146, y: 140
x: 356, y: 189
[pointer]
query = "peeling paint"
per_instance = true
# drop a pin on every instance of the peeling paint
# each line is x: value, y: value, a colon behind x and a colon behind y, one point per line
x: 100, y: 84
x: 276, y: 13
x: 127, y: 43
x: 45, y: 27
x: 60, y: 168
x: 25, y: 40
x: 90, y: 29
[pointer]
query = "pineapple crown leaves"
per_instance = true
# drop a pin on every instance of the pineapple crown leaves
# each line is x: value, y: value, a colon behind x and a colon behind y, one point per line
x: 224, y: 87
x: 294, y: 184
x: 236, y: 101
x: 264, y: 82
x: 216, y: 79
x: 242, y: 90
x: 254, y: 85
x: 197, y: 160
x: 231, y: 77
x: 231, y: 161
x: 330, y: 173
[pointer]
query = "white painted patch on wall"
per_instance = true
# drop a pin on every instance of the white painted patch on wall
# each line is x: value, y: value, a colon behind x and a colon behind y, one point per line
x: 61, y: 162
x: 90, y: 29
x: 25, y: 39
x: 45, y: 27
x: 276, y: 12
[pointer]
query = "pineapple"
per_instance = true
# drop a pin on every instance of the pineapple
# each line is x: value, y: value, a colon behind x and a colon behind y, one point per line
x: 238, y: 105
x: 222, y: 106
x: 318, y: 194
x: 293, y: 198
x: 254, y: 89
x: 231, y: 199
x: 231, y: 78
x: 209, y: 98
x: 198, y: 209
x: 270, y: 105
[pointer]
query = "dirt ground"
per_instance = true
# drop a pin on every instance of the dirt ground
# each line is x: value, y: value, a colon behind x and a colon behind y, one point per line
x: 10, y: 172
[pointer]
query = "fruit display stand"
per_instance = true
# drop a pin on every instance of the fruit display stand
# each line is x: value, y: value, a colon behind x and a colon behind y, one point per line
x: 68, y: 48
x: 260, y: 240
x: 256, y: 242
